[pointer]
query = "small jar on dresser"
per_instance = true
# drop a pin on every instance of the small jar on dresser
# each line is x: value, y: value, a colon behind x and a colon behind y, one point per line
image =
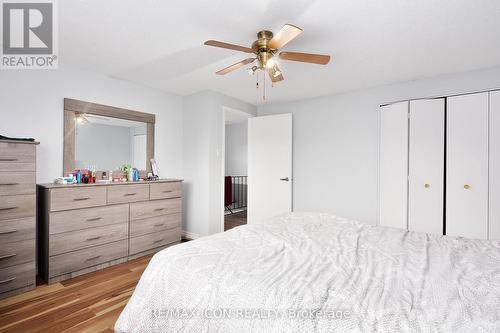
x: 17, y: 216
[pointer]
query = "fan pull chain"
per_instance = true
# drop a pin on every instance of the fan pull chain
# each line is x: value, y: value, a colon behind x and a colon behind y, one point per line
x: 264, y: 87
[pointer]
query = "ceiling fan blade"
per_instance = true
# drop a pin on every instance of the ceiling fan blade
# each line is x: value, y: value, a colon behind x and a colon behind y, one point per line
x: 235, y: 66
x: 284, y: 36
x: 319, y: 59
x: 228, y: 46
x: 275, y: 74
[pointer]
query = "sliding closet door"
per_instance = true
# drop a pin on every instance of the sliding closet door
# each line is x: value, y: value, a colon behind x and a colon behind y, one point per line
x: 467, y: 166
x: 394, y: 165
x: 426, y: 168
x: 494, y: 220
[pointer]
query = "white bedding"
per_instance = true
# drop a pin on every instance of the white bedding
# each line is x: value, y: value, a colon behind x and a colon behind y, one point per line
x: 357, y: 277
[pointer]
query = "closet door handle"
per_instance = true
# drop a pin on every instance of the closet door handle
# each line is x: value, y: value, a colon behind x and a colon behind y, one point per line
x: 427, y: 185
x: 286, y: 179
x: 466, y: 186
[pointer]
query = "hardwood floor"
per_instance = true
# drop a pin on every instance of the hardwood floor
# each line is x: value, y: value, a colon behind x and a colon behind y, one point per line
x: 234, y: 220
x: 88, y: 303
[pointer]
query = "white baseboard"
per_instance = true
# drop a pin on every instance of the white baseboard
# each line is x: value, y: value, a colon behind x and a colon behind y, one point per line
x: 189, y: 235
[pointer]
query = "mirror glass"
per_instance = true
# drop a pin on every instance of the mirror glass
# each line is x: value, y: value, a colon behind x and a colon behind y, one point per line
x: 104, y: 143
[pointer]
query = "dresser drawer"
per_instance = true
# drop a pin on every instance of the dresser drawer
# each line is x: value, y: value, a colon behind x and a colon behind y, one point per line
x: 17, y: 206
x: 142, y: 210
x: 78, y: 219
x: 81, y: 197
x: 17, y: 253
x: 165, y: 190
x: 151, y: 241
x: 154, y: 224
x: 17, y: 157
x: 13, y: 183
x: 80, y: 239
x: 18, y: 276
x: 16, y: 230
x: 128, y: 193
x: 77, y: 260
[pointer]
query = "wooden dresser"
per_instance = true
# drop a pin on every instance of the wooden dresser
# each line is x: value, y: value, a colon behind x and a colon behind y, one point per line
x: 86, y: 227
x: 17, y: 216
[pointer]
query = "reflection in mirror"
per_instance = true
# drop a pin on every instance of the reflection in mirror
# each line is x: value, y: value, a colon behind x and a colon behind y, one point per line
x: 104, y: 143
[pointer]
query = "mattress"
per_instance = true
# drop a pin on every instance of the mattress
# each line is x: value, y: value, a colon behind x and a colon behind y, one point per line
x: 305, y: 272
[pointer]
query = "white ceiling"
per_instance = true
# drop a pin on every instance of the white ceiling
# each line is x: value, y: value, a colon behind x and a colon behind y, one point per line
x: 373, y: 42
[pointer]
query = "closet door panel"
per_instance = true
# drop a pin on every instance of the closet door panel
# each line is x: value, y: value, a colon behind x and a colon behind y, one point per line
x: 467, y: 166
x: 394, y: 165
x: 494, y: 220
x: 426, y: 166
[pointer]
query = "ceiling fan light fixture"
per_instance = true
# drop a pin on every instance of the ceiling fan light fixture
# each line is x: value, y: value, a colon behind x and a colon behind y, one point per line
x: 277, y: 73
x: 270, y: 63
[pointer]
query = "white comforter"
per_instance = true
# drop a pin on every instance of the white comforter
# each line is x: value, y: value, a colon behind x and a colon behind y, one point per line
x: 319, y: 273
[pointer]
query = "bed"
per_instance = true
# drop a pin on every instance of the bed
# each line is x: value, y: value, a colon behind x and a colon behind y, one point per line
x: 305, y: 272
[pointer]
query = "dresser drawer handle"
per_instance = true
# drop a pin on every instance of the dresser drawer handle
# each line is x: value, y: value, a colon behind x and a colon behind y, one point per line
x: 7, y: 280
x: 94, y: 219
x: 130, y: 194
x: 8, y: 159
x: 81, y: 199
x: 9, y: 208
x: 93, y: 238
x: 7, y: 256
x: 93, y: 258
x: 159, y: 224
x: 8, y: 184
x: 167, y: 191
x: 159, y: 209
x: 7, y: 232
x: 159, y: 240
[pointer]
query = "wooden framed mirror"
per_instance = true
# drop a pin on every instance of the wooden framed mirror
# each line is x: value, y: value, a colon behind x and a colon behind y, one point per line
x: 84, y: 120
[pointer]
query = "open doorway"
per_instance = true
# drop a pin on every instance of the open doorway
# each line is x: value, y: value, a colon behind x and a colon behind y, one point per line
x: 235, y: 167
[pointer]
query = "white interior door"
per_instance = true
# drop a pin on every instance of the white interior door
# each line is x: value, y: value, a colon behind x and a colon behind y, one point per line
x: 394, y: 165
x: 494, y: 220
x: 467, y: 166
x: 269, y: 167
x: 426, y: 166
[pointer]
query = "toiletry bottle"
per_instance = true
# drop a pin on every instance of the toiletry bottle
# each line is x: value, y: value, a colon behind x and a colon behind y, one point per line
x: 78, y: 177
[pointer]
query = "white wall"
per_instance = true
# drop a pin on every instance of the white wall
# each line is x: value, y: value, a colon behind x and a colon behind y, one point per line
x: 31, y: 105
x: 236, y: 149
x: 336, y: 141
x: 203, y: 165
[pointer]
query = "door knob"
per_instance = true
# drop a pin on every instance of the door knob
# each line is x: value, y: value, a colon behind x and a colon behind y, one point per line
x: 466, y: 186
x: 427, y: 185
x: 285, y: 179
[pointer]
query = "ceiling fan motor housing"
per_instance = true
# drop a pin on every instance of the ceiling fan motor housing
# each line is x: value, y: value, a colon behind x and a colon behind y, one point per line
x: 264, y: 53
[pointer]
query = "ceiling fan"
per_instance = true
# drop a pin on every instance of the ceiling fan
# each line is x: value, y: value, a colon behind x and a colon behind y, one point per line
x: 266, y: 48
